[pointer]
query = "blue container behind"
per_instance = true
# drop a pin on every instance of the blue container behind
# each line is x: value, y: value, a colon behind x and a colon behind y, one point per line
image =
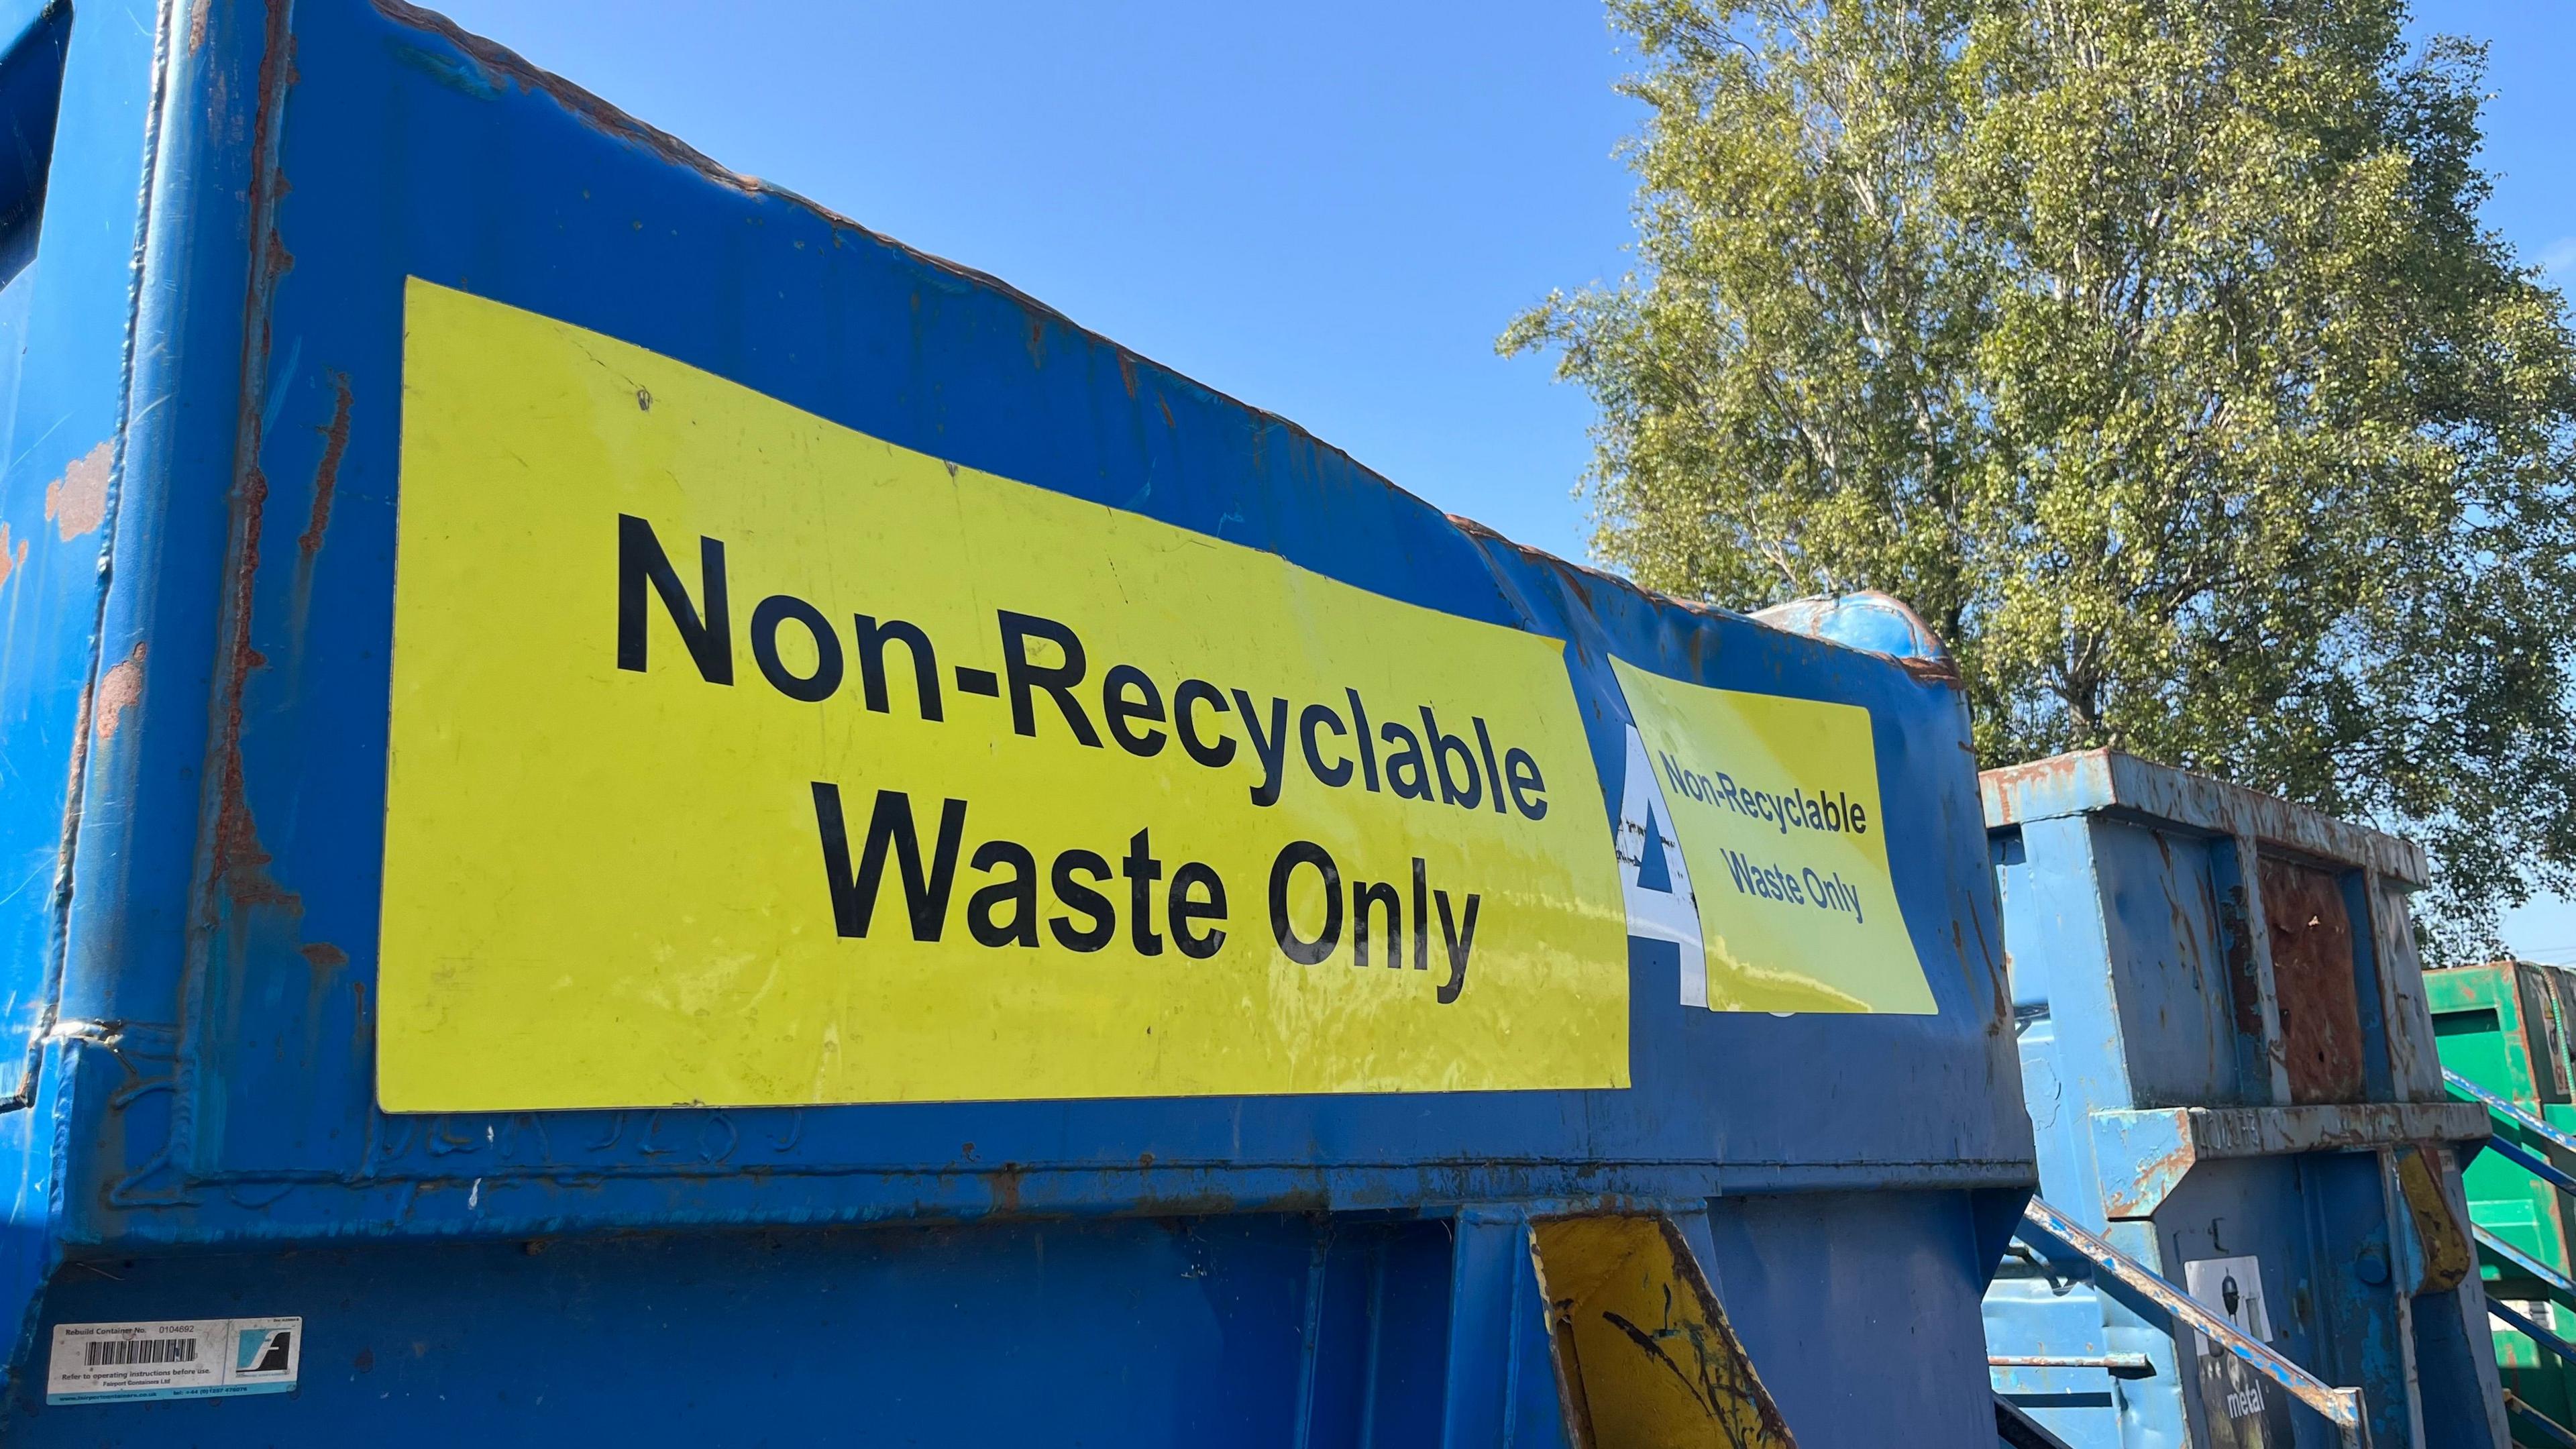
x: 2230, y: 1066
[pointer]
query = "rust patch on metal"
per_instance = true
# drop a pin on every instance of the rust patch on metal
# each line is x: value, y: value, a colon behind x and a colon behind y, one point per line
x: 326, y: 476
x: 119, y: 690
x: 323, y: 956
x: 594, y: 112
x: 1127, y: 372
x: 11, y: 560
x: 197, y: 24
x: 2313, y: 979
x: 239, y: 863
x: 1005, y: 1183
x: 77, y: 501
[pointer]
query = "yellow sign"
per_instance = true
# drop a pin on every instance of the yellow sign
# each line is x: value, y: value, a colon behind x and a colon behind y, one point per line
x: 1775, y: 804
x: 740, y: 758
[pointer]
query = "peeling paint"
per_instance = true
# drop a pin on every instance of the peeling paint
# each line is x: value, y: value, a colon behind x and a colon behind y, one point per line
x: 119, y: 690
x: 77, y: 501
x: 326, y: 475
x: 11, y: 559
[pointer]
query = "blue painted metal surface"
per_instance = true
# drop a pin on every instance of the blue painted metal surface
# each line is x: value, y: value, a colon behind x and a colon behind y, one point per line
x: 2167, y: 935
x: 199, y: 497
x: 1880, y: 623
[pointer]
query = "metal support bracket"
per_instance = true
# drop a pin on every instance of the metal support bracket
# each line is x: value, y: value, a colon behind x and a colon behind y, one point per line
x: 2144, y: 1155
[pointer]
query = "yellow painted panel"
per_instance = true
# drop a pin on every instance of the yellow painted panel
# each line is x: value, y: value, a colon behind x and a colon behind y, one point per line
x: 1775, y: 803
x: 1645, y: 1357
x: 627, y: 840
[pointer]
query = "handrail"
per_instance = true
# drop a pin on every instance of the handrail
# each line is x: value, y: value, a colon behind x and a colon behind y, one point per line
x: 2118, y: 1365
x: 2538, y: 1422
x: 2526, y: 1263
x: 2532, y: 1163
x: 2340, y: 1407
x: 2532, y: 1330
x: 2559, y: 1136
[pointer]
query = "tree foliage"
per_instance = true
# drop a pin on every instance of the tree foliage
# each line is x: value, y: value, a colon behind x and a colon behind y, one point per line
x: 2153, y: 350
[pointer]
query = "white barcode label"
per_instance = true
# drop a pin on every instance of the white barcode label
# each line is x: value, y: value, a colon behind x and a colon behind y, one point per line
x: 196, y: 1358
x: 113, y: 1352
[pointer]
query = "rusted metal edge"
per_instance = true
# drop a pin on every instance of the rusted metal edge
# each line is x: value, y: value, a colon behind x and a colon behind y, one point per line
x: 1638, y: 1184
x: 2106, y: 780
x: 2144, y: 1154
x: 601, y: 115
x: 2223, y: 1132
x: 2340, y: 1407
x: 608, y: 118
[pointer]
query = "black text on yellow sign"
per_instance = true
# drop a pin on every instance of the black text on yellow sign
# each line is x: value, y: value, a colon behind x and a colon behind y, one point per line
x: 741, y: 758
x: 1775, y: 803
x: 1046, y: 679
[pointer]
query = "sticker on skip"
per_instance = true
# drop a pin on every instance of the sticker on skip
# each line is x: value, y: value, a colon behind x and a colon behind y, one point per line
x: 96, y: 1363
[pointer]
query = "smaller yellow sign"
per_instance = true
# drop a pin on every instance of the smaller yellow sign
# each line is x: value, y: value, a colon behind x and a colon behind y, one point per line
x: 1775, y: 804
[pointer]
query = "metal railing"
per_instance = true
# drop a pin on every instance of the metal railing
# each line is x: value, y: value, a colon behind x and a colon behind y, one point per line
x: 2339, y: 1407
x: 2508, y: 1111
x: 2118, y: 1365
x: 2524, y: 1415
x: 2549, y: 1429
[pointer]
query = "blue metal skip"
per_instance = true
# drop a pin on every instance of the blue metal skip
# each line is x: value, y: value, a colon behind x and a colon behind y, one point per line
x: 200, y: 507
x: 2230, y: 1068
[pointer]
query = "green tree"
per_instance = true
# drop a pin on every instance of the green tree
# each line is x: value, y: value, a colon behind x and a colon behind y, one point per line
x: 2153, y: 350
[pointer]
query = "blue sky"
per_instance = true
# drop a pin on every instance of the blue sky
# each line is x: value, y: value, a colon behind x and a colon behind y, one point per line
x: 1327, y: 209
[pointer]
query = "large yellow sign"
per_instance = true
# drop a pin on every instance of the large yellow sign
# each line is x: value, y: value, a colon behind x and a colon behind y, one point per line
x: 1775, y: 804
x: 740, y: 758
